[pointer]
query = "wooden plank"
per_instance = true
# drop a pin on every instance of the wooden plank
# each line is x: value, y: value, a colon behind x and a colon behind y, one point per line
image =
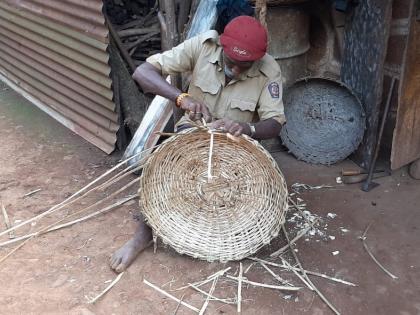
x: 365, y: 46
x: 406, y: 141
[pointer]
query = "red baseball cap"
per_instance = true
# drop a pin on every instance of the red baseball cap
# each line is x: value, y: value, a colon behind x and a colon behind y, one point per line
x: 244, y: 39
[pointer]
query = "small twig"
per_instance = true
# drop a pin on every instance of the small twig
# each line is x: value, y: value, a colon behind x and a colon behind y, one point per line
x: 363, y: 239
x: 269, y: 286
x: 107, y: 288
x: 239, y: 288
x: 171, y: 296
x: 206, y: 302
x: 31, y: 193
x: 7, y: 221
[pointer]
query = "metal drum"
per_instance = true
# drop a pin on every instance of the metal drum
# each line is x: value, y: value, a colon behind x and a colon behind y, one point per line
x: 289, y: 40
x: 325, y: 121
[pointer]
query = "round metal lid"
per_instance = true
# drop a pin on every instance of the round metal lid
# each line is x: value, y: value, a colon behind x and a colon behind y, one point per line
x: 325, y: 121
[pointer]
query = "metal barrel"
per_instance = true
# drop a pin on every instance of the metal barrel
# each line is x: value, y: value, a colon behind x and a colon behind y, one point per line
x: 289, y: 40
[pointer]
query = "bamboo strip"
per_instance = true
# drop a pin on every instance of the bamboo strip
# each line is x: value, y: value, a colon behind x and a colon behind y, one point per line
x: 206, y: 302
x: 57, y: 227
x: 269, y: 286
x: 171, y: 296
x: 107, y: 288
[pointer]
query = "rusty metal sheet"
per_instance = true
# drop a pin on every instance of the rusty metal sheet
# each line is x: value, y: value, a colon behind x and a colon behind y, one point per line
x: 77, y: 16
x: 406, y: 141
x: 55, y: 54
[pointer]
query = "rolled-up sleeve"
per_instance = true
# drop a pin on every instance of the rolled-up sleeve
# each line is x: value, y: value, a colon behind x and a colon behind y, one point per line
x: 270, y: 103
x: 181, y: 58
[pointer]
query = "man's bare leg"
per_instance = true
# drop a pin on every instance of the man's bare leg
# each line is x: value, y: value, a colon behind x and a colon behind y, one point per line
x: 124, y: 256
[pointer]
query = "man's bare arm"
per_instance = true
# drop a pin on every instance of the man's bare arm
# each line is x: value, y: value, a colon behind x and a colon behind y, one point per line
x: 151, y: 81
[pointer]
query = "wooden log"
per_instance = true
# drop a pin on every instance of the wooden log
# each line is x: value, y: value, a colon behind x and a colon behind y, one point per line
x: 137, y: 31
x: 121, y: 48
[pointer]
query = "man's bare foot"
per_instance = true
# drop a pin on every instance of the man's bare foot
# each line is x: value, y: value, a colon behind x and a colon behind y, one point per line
x: 124, y: 256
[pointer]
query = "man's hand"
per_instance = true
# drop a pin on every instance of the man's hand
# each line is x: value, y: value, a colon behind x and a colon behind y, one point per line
x: 195, y: 109
x: 232, y: 127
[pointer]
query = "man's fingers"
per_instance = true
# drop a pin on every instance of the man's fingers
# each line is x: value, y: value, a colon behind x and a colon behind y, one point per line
x: 206, y: 113
x: 217, y: 124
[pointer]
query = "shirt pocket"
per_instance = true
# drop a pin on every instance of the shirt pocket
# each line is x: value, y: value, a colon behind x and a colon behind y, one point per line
x: 241, y: 110
x: 207, y: 85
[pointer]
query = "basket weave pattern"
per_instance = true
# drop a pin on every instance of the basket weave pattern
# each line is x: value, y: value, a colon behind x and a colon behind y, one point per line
x: 228, y: 216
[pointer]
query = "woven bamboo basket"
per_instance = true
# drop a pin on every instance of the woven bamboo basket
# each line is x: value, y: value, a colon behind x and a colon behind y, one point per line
x: 228, y: 215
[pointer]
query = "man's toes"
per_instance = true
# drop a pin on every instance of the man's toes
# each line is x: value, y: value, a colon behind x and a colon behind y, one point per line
x: 120, y: 268
x: 115, y: 262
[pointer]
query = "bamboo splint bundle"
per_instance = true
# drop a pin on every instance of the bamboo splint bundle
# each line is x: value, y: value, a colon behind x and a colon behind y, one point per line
x: 212, y: 197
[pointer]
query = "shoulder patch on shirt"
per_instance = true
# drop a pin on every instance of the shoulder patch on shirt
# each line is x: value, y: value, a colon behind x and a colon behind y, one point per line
x: 274, y: 89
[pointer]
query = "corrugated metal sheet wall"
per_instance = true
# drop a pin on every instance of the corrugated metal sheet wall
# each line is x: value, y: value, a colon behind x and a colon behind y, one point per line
x: 55, y: 53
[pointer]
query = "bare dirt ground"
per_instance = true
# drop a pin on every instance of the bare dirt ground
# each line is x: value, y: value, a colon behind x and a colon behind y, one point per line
x: 57, y: 273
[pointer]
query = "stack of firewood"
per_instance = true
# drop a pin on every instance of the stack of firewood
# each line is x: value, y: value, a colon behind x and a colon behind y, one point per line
x: 142, y: 28
x: 136, y: 26
x: 141, y: 37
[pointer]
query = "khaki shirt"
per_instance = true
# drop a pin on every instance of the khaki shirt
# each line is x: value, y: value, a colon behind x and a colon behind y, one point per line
x: 256, y: 95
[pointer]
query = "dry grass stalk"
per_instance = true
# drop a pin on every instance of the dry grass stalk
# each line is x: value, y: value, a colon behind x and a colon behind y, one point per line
x: 307, y: 271
x: 269, y: 286
x: 73, y: 198
x: 107, y: 288
x: 7, y: 221
x: 363, y: 239
x: 240, y: 287
x: 307, y: 278
x: 57, y: 227
x: 171, y: 296
x: 206, y: 302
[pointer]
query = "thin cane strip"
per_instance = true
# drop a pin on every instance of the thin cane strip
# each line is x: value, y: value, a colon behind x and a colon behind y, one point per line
x: 377, y: 262
x: 269, y: 286
x: 128, y: 170
x: 276, y: 276
x: 107, y: 288
x: 207, y: 280
x: 171, y: 296
x: 213, y: 286
x: 323, y: 298
x: 212, y: 297
x: 293, y: 241
x: 57, y: 227
x: 83, y: 210
x: 210, y: 155
x: 303, y: 279
x: 307, y: 271
x: 239, y: 288
x: 70, y: 199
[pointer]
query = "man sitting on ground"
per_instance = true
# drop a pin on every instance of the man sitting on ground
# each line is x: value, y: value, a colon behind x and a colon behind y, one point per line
x: 234, y: 84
